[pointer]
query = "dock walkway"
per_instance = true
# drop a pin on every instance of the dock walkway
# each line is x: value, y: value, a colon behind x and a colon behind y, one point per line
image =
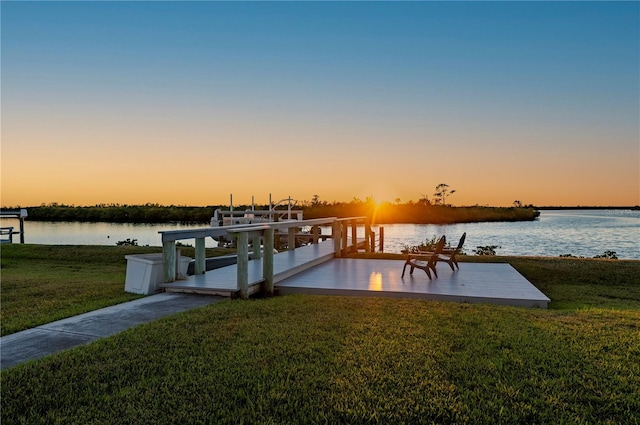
x: 223, y: 281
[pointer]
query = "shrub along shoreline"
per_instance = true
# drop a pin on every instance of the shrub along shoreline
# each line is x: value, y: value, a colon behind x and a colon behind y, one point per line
x: 322, y: 359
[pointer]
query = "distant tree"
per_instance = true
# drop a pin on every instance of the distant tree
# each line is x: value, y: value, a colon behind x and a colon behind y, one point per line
x: 424, y: 200
x: 442, y: 191
x: 517, y: 204
x: 397, y: 201
x: 315, y: 200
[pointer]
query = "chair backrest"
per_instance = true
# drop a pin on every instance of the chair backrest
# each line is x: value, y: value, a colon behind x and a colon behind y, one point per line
x: 437, y: 251
x: 440, y: 245
x: 462, y: 238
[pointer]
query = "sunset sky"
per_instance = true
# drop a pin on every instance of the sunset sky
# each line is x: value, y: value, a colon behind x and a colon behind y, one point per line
x: 185, y: 103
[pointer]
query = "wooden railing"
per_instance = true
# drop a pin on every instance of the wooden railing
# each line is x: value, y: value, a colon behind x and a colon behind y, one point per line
x: 261, y: 235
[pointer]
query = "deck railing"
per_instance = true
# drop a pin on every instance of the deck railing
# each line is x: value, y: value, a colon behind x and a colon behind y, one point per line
x: 261, y: 235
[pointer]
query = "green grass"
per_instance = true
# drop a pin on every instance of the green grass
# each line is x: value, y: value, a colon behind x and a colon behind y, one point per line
x: 313, y: 359
x: 43, y: 283
x: 584, y: 283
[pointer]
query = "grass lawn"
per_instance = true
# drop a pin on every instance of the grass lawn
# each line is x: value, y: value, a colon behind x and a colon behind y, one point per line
x: 44, y: 283
x: 313, y: 359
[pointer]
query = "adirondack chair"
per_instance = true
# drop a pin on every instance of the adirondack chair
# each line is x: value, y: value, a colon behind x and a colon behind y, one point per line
x: 425, y: 261
x: 449, y: 256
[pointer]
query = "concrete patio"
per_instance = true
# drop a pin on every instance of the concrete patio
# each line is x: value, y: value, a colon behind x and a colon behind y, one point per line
x: 492, y: 283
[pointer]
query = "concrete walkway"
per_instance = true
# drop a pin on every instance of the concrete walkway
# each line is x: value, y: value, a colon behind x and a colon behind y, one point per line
x: 53, y: 337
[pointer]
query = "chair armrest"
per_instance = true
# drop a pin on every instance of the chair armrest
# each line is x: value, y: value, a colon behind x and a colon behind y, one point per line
x: 419, y: 255
x: 423, y: 253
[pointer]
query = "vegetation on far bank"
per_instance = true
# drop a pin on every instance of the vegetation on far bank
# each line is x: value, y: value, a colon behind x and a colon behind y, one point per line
x: 356, y: 360
x: 418, y: 213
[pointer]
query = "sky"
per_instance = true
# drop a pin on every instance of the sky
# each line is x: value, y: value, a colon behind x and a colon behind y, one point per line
x: 185, y: 103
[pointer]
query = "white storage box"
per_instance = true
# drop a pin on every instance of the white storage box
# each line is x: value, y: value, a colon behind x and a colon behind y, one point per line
x: 145, y: 272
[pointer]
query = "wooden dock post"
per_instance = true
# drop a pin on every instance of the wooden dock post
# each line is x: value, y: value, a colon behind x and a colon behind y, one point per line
x: 200, y: 265
x: 367, y: 236
x: 242, y: 246
x: 267, y: 262
x: 381, y: 237
x: 23, y: 214
x: 336, y: 234
x: 169, y: 261
x: 255, y: 243
x: 354, y: 236
x: 345, y: 241
x: 291, y: 239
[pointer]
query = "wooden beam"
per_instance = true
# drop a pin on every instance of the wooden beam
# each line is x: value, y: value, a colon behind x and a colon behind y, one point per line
x: 291, y: 239
x: 336, y: 233
x: 169, y: 261
x: 354, y: 235
x: 345, y: 240
x: 242, y: 246
x: 255, y: 242
x: 200, y: 266
x: 367, y: 236
x: 267, y: 262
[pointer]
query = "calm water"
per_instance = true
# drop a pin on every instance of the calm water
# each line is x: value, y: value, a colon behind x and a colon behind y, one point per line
x: 577, y: 232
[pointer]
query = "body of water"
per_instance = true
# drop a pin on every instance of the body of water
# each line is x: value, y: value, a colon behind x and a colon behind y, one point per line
x: 577, y: 232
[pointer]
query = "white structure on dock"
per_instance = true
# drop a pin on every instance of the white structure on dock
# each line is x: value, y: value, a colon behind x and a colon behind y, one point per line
x: 233, y: 217
x: 6, y: 233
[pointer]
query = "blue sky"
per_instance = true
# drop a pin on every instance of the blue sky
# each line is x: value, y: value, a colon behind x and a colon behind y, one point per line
x: 135, y: 102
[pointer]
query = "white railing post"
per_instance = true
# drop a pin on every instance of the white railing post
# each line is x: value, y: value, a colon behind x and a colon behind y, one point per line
x: 200, y: 265
x: 242, y: 246
x: 291, y: 238
x: 256, y: 247
x: 354, y: 235
x: 267, y: 262
x: 336, y: 234
x: 367, y: 236
x: 169, y: 261
x: 345, y: 239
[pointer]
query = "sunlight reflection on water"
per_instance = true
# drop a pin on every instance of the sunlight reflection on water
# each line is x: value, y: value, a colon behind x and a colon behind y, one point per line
x: 578, y: 232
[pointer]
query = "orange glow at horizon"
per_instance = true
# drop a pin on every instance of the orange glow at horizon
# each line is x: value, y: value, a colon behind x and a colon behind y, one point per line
x: 93, y: 183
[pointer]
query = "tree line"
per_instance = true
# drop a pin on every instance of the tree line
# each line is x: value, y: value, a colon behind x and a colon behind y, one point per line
x: 418, y: 213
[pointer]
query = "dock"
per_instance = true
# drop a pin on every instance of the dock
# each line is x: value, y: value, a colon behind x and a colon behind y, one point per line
x: 323, y: 268
x: 314, y: 270
x: 261, y: 273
